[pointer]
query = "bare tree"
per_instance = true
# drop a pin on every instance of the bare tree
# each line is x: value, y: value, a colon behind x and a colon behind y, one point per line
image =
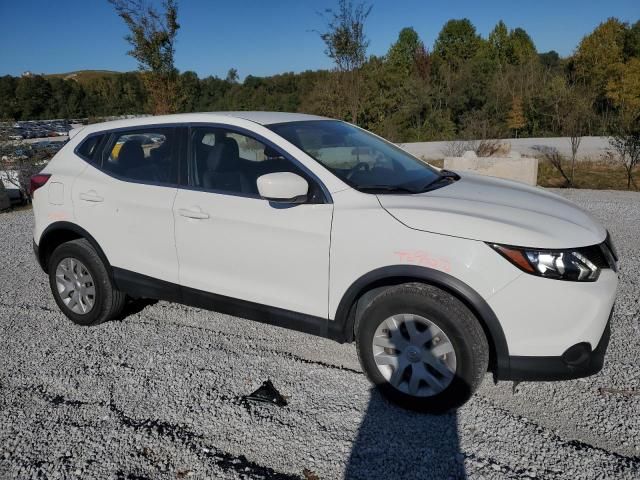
x: 152, y: 37
x: 555, y: 158
x: 232, y: 76
x: 346, y: 44
x: 576, y: 113
x: 626, y: 145
x: 482, y: 148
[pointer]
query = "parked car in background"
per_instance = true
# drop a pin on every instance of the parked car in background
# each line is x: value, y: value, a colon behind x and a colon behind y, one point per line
x: 5, y: 203
x: 9, y: 179
x: 316, y: 225
x: 17, y: 196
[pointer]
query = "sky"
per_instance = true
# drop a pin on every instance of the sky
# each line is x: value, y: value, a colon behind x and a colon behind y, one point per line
x: 268, y: 37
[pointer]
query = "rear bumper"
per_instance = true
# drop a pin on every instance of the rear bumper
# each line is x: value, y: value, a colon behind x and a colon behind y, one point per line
x: 576, y: 362
x: 36, y: 252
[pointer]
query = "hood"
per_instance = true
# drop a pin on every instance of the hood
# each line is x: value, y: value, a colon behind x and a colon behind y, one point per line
x: 495, y: 210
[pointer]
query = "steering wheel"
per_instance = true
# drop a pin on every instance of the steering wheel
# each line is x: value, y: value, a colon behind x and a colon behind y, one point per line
x: 360, y: 166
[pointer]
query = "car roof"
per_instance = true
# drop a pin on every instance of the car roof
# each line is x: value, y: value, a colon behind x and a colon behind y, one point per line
x: 268, y: 118
x: 262, y: 118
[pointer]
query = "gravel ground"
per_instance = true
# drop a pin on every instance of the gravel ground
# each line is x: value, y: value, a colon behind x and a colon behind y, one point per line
x: 159, y: 394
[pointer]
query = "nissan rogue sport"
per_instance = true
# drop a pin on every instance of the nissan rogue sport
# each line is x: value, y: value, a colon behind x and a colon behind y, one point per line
x: 319, y: 226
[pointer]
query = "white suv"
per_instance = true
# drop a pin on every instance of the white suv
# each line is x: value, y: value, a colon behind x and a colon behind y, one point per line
x: 319, y: 226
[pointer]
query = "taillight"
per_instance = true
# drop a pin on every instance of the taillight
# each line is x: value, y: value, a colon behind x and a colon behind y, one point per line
x: 38, y: 181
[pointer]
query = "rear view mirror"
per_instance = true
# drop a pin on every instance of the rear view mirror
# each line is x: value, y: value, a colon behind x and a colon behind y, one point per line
x: 283, y: 187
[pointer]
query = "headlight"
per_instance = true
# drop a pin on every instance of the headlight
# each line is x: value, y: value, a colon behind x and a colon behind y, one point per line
x: 577, y: 265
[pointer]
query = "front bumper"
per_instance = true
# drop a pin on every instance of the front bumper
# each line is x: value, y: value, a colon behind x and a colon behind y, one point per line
x: 577, y: 362
x: 541, y: 317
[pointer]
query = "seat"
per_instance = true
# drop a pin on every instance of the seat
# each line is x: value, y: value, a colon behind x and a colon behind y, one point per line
x: 223, y: 168
x: 131, y: 156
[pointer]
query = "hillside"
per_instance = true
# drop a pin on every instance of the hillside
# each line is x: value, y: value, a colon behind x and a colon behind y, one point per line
x: 84, y: 76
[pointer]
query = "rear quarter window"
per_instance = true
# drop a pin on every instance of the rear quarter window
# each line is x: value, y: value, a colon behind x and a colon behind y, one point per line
x: 89, y: 147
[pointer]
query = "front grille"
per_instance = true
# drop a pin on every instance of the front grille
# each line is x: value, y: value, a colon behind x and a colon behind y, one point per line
x: 609, y: 255
x: 596, y: 255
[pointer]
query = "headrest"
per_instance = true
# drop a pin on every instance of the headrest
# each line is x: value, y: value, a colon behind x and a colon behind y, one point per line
x: 272, y: 153
x: 234, y: 150
x: 224, y: 154
x: 131, y: 154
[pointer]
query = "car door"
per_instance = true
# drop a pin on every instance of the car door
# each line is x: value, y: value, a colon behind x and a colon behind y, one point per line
x: 231, y: 242
x: 124, y: 199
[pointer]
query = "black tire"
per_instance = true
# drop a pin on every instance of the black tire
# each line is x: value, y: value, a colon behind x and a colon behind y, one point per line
x: 108, y: 301
x: 452, y: 317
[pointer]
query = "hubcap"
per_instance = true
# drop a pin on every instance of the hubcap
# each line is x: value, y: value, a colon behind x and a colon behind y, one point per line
x: 414, y: 355
x: 75, y: 285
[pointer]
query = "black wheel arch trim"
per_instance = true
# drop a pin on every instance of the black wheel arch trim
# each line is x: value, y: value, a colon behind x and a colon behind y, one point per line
x: 42, y: 251
x: 397, y: 274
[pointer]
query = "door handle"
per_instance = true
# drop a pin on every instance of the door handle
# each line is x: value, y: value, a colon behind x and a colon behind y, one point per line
x: 91, y: 196
x: 197, y: 214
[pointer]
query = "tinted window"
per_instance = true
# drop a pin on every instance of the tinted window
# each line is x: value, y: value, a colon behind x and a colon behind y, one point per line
x: 227, y: 161
x: 357, y: 157
x: 145, y: 155
x: 88, y: 148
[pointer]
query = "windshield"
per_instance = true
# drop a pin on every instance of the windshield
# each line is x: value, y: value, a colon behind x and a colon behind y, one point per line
x: 359, y: 158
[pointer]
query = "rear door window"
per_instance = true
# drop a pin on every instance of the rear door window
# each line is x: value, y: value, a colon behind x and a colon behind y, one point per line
x: 143, y: 155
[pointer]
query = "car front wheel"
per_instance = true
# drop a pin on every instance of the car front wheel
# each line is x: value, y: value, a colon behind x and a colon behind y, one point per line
x: 422, y: 347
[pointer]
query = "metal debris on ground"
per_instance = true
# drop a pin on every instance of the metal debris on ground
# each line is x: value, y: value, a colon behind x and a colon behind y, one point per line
x: 267, y: 393
x: 310, y: 475
x: 619, y: 391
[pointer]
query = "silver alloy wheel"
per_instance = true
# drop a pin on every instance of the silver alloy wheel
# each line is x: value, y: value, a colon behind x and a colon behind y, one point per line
x: 75, y: 285
x: 414, y: 355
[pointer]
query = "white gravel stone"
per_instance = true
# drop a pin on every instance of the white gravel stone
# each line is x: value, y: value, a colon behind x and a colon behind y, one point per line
x: 158, y: 395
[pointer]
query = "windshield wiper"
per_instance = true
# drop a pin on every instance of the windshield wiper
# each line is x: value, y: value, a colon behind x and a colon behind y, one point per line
x: 444, y: 175
x: 383, y: 188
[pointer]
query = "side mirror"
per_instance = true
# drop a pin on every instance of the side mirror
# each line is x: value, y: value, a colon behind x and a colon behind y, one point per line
x: 283, y: 187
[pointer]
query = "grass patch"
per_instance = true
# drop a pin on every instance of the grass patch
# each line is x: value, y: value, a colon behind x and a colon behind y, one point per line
x: 592, y: 175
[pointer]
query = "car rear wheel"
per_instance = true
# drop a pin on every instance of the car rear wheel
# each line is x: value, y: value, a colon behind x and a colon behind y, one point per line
x: 81, y: 285
x: 422, y: 347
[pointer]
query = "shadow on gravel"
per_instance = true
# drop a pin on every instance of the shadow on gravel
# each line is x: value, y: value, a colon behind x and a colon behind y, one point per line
x: 134, y: 306
x: 396, y: 443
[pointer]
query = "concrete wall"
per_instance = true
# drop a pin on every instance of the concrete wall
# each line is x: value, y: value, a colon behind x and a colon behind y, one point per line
x: 513, y: 167
x: 591, y: 148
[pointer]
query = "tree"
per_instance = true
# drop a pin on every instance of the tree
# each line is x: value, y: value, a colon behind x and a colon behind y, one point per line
x: 499, y: 43
x: 189, y: 87
x: 598, y: 51
x: 346, y: 44
x: 513, y: 47
x: 33, y: 95
x: 232, y: 76
x: 632, y: 41
x: 521, y: 47
x: 626, y: 143
x: 550, y: 59
x: 8, y: 102
x: 555, y: 158
x: 457, y: 42
x: 623, y: 88
x: 575, y: 123
x: 403, y: 54
x: 516, y: 119
x: 152, y: 38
